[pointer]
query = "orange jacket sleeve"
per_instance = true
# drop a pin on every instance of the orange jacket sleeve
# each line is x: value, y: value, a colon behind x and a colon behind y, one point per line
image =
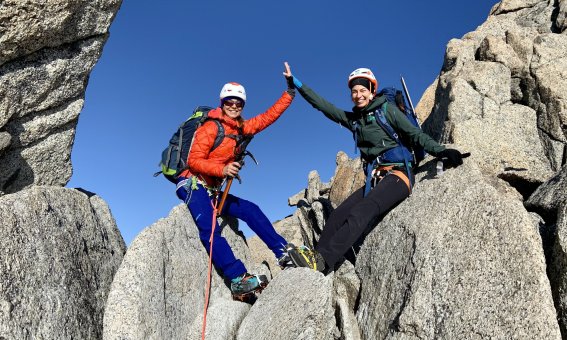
x: 263, y: 120
x: 198, y: 155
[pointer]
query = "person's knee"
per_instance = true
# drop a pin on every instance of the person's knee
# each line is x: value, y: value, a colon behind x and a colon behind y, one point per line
x: 247, y: 205
x: 250, y: 210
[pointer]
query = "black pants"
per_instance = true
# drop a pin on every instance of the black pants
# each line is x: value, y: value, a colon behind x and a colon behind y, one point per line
x: 357, y: 215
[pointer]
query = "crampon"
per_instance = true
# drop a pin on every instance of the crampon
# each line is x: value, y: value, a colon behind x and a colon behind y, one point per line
x: 249, y: 294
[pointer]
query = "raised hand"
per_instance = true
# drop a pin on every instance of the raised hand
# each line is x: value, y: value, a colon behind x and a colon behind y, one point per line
x: 287, y: 72
x: 289, y: 80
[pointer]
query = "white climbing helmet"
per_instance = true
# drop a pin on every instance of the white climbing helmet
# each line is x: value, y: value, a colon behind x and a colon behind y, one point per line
x: 364, y: 73
x: 233, y: 90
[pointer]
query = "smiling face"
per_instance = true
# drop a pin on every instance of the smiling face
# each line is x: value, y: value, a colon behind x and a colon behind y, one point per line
x: 361, y: 96
x: 232, y: 107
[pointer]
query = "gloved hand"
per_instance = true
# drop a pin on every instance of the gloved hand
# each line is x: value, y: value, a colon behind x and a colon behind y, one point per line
x: 453, y: 156
x: 290, y: 86
x: 289, y: 80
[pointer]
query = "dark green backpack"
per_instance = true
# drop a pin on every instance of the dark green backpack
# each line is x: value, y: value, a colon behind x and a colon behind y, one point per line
x: 174, y: 156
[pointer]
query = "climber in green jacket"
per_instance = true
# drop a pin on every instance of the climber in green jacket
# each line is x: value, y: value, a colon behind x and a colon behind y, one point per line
x: 388, y: 169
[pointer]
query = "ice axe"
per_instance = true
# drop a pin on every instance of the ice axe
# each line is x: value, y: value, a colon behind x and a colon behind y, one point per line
x: 409, y: 99
x: 241, y: 153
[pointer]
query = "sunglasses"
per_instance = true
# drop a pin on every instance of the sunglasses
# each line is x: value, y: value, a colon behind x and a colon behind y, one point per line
x: 230, y: 103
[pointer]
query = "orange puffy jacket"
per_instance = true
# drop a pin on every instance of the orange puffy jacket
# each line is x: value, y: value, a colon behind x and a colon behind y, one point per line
x: 207, y: 165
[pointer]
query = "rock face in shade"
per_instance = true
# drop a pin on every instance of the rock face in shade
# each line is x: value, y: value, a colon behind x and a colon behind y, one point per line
x: 550, y: 201
x: 60, y: 249
x: 47, y: 51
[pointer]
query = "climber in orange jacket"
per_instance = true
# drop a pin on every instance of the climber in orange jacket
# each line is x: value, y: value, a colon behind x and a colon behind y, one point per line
x: 213, y: 166
x: 198, y: 185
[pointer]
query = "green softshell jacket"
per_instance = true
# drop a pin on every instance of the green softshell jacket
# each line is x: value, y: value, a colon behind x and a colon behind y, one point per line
x: 372, y: 140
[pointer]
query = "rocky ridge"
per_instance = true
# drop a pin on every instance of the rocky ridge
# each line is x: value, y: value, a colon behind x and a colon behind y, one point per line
x: 467, y: 255
x: 475, y: 253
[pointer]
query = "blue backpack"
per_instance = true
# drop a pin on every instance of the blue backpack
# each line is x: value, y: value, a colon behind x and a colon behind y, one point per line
x: 396, y: 97
x: 174, y: 156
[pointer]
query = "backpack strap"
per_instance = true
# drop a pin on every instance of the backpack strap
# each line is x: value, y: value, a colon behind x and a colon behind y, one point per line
x: 356, y: 128
x: 241, y: 139
x: 179, y: 146
x: 380, y: 116
x: 220, y: 134
x: 218, y: 140
x: 401, y: 152
x: 238, y: 136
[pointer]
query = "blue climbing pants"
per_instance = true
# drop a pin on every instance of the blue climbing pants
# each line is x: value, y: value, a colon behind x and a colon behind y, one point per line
x: 199, y: 203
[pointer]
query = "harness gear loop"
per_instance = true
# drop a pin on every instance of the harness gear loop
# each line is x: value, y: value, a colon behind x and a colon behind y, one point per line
x: 192, y: 183
x: 385, y: 170
x: 375, y: 172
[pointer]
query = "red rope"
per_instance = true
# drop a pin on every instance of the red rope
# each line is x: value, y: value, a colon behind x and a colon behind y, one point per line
x: 208, y: 290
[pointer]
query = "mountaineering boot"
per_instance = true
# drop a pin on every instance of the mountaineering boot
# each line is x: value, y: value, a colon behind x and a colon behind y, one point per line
x: 245, y: 287
x: 285, y: 261
x: 304, y: 257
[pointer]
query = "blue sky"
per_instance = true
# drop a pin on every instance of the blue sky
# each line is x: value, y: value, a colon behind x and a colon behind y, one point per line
x: 165, y: 58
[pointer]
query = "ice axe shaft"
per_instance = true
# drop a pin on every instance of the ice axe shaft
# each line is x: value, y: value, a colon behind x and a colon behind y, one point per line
x: 224, y: 194
x: 407, y: 94
x: 242, y: 152
x: 229, y: 183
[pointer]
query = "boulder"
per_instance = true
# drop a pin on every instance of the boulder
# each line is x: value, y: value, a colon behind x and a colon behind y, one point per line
x: 159, y: 290
x: 459, y: 257
x: 550, y: 202
x: 60, y: 249
x: 349, y: 177
x: 427, y: 102
x: 297, y: 304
